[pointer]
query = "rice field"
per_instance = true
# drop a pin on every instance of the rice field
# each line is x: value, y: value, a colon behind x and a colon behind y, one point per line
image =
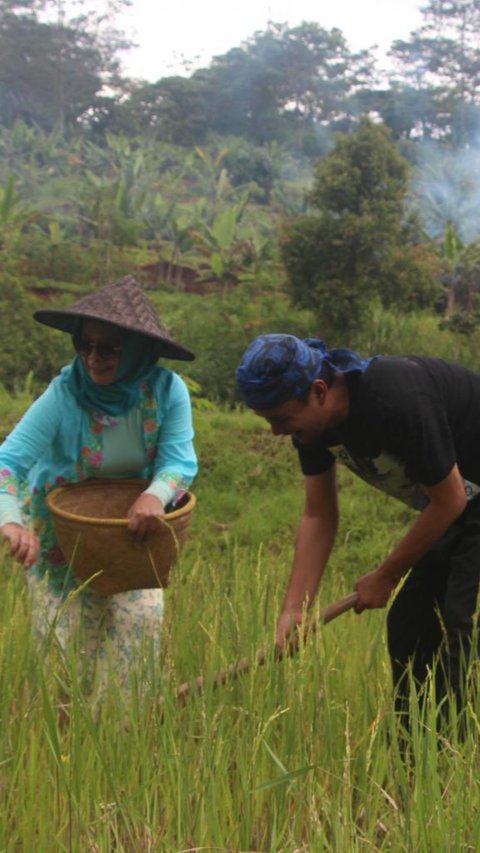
x: 294, y: 755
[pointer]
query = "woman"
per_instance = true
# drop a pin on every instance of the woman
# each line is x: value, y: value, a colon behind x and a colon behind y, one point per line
x: 113, y: 412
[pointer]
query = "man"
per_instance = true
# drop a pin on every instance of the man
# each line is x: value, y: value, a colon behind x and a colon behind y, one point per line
x: 411, y: 427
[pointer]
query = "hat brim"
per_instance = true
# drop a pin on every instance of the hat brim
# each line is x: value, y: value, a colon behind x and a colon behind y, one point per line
x: 66, y: 321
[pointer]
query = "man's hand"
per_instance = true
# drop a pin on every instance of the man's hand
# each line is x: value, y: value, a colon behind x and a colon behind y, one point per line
x: 447, y: 501
x: 315, y: 538
x: 24, y: 544
x: 374, y: 589
x: 144, y: 516
x: 290, y: 627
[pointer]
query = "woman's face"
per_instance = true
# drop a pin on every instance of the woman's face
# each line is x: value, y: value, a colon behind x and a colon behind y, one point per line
x: 99, y: 347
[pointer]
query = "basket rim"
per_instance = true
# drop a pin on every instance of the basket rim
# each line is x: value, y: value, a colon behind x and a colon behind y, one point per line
x: 115, y: 522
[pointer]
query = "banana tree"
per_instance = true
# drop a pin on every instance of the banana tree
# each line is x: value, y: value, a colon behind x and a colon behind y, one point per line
x: 220, y: 243
x: 15, y: 213
x: 233, y: 246
x: 170, y: 228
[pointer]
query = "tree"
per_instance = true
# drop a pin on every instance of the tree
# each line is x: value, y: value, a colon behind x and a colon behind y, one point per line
x: 339, y: 257
x: 408, y: 112
x: 277, y: 83
x: 174, y: 110
x: 52, y: 71
x: 244, y: 91
x: 444, y: 53
x: 283, y: 84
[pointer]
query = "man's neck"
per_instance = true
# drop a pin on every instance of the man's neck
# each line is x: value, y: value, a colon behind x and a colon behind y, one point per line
x: 340, y: 400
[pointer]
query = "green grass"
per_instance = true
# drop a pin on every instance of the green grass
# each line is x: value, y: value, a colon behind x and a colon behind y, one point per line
x: 297, y: 755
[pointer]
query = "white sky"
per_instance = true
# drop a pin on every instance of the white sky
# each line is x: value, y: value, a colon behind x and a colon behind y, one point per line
x: 170, y: 31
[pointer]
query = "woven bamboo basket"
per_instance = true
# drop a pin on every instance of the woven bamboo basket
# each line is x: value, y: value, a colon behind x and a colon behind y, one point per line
x: 91, y: 528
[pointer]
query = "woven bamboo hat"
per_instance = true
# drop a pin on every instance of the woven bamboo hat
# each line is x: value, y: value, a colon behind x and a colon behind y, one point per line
x: 124, y: 304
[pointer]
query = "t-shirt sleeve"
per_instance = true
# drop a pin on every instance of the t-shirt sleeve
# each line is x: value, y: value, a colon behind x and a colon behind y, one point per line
x: 313, y: 458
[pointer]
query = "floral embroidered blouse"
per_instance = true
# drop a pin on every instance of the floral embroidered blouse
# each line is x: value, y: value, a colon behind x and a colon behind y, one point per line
x: 57, y: 441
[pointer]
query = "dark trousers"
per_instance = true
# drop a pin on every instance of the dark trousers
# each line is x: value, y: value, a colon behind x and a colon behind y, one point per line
x: 431, y: 618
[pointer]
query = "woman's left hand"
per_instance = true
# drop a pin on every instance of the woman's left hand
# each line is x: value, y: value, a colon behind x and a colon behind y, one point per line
x: 144, y: 516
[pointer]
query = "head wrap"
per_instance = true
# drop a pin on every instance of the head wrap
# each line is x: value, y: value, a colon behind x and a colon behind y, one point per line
x: 276, y: 368
x: 138, y: 357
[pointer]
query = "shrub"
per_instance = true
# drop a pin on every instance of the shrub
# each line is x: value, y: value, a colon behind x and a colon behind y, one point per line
x: 25, y: 345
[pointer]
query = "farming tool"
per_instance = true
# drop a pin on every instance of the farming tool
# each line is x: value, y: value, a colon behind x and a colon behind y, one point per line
x: 232, y: 672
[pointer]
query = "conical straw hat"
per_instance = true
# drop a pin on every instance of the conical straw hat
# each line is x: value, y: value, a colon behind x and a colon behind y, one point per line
x: 122, y: 303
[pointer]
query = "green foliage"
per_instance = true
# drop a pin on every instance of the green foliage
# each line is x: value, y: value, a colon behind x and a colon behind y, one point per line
x: 293, y: 85
x: 15, y: 213
x: 362, y: 171
x: 246, y: 464
x: 219, y: 327
x: 247, y: 163
x: 298, y: 754
x: 338, y: 258
x: 42, y: 261
x: 25, y: 345
x: 13, y: 405
x: 95, y: 212
x: 313, y: 281
x: 408, y: 112
x: 412, y: 277
x: 280, y: 82
x: 174, y: 110
x: 464, y: 323
x: 274, y: 87
x: 393, y: 332
x: 51, y: 71
x: 231, y: 245
x: 447, y: 188
x: 442, y: 59
x: 461, y: 279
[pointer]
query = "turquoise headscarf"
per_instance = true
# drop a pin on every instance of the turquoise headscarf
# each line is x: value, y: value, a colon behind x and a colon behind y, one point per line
x: 138, y: 358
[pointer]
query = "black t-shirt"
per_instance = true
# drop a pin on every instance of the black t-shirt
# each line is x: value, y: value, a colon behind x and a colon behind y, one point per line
x: 410, y: 420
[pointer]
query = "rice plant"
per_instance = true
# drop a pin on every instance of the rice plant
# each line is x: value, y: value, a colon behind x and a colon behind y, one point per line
x: 302, y: 754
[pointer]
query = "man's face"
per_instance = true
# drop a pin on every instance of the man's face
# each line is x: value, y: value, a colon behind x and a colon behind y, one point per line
x: 306, y: 421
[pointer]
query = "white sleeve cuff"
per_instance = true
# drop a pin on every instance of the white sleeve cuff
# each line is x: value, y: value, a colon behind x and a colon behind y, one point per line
x: 9, y: 510
x: 160, y: 490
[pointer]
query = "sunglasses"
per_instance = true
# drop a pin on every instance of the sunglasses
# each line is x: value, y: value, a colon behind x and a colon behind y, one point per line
x: 103, y: 351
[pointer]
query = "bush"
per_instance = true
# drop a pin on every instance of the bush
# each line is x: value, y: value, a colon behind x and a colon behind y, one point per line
x: 219, y: 327
x: 356, y: 244
x: 25, y: 345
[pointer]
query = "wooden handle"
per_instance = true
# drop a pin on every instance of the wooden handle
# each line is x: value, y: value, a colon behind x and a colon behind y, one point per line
x: 338, y: 607
x: 244, y: 665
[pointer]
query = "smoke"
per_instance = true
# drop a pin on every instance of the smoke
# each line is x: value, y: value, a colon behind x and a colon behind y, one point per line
x: 445, y: 189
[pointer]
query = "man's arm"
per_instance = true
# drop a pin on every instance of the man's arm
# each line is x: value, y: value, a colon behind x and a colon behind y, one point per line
x: 447, y: 502
x: 315, y: 538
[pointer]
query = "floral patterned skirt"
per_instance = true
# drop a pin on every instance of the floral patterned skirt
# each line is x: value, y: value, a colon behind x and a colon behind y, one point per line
x: 111, y: 634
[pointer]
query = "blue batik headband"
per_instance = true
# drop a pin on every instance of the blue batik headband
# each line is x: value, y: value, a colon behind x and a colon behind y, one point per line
x: 276, y: 368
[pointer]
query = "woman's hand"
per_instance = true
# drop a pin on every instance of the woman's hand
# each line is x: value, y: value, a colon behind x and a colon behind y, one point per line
x: 144, y: 516
x: 24, y: 544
